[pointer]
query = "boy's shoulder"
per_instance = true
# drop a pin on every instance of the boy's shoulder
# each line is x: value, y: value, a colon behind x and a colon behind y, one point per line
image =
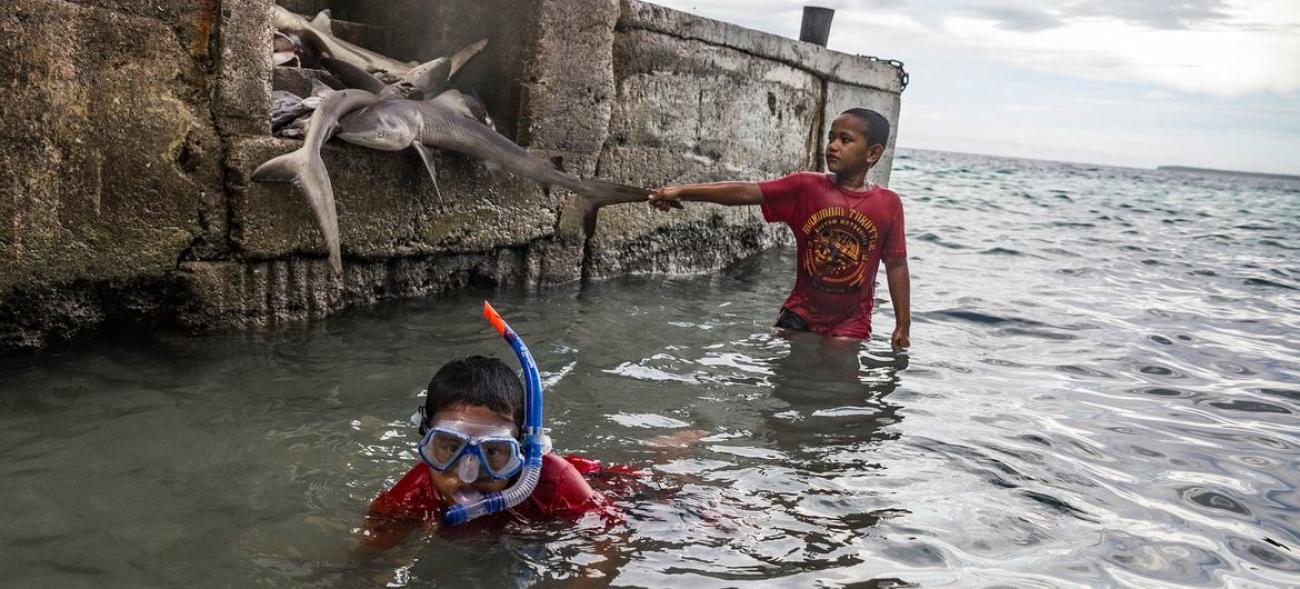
x: 562, y: 489
x: 811, y: 178
x: 800, y: 178
x: 887, y: 194
x: 560, y: 478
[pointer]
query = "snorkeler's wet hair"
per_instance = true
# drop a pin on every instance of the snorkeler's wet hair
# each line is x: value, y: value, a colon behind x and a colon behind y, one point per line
x: 877, y: 125
x: 476, y: 381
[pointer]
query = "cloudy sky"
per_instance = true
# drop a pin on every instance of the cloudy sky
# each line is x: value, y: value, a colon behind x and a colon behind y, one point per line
x: 1210, y: 83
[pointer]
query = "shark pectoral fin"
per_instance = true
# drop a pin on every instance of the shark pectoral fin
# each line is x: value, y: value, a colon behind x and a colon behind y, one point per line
x: 557, y: 163
x: 463, y: 56
x: 426, y: 155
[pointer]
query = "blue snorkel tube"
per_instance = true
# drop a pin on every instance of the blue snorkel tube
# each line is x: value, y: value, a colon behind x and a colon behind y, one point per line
x: 533, y: 437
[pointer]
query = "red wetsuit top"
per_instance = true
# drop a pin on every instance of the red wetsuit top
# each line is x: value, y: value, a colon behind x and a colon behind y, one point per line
x: 841, y: 235
x: 561, y: 492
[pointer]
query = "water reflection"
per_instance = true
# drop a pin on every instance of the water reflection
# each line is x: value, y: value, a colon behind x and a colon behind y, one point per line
x: 834, y: 398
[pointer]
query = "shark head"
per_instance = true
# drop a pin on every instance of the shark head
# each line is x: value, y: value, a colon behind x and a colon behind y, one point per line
x: 379, y: 127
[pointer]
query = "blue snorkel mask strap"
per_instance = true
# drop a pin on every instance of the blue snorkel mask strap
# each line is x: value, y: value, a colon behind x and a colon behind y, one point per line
x: 534, y: 439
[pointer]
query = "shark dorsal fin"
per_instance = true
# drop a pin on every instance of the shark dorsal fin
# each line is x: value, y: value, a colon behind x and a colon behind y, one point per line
x: 322, y: 22
x: 320, y: 89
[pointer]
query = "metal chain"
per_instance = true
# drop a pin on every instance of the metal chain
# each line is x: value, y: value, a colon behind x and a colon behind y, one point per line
x: 903, y: 77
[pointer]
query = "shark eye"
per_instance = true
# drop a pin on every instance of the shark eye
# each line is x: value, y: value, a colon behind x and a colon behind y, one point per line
x: 380, y: 133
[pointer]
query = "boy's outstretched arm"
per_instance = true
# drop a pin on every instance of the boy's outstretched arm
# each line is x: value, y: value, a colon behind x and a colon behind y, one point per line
x: 900, y: 294
x: 723, y: 193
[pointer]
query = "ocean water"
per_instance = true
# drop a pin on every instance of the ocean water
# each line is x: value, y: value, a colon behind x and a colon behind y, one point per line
x: 1102, y: 391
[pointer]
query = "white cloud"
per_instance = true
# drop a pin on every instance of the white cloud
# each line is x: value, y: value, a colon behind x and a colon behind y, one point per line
x: 1216, y: 47
x: 1229, y: 57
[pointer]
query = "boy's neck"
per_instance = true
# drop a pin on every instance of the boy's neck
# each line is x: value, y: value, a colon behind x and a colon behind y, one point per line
x: 852, y: 180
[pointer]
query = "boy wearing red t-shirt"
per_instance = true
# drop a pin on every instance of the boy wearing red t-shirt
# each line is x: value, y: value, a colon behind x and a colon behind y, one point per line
x: 481, y: 399
x: 843, y: 227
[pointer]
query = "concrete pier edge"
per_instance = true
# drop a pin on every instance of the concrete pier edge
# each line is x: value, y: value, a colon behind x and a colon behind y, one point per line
x: 132, y: 128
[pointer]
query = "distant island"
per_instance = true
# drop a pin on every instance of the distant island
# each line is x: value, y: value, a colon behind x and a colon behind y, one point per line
x: 1226, y: 172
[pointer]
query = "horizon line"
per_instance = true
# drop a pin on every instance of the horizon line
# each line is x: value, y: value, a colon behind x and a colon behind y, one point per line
x: 1184, y: 168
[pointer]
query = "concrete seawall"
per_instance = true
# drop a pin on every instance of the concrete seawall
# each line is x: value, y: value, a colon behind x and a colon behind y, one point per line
x: 131, y: 128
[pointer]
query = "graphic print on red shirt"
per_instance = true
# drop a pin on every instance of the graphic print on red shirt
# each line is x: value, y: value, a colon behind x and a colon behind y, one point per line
x: 841, y: 236
x: 839, y: 242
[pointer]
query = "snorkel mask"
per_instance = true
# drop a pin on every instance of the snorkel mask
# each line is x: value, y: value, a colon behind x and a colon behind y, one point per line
x: 494, y: 454
x: 472, y: 450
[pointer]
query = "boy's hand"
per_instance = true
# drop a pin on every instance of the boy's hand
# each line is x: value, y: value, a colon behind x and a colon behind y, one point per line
x: 666, y: 198
x: 901, y: 339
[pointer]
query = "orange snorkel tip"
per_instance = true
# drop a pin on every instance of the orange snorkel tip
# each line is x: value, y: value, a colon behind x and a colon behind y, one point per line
x: 494, y: 318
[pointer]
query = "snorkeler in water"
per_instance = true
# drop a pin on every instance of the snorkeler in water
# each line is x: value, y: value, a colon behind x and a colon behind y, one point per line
x: 843, y: 225
x: 484, y: 453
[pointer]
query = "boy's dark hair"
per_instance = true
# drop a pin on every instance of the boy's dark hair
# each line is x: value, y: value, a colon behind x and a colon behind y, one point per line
x: 877, y: 125
x: 475, y: 380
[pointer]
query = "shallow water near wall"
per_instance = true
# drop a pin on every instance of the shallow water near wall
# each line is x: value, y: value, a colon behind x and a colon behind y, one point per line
x: 1103, y: 390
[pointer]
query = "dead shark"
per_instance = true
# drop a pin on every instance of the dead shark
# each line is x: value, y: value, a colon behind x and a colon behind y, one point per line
x: 316, y: 32
x: 306, y: 170
x: 427, y: 80
x: 448, y: 122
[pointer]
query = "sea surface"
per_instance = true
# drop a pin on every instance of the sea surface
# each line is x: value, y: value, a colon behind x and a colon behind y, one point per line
x: 1102, y: 390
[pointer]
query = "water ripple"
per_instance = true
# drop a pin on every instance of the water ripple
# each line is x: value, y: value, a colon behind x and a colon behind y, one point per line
x: 1102, y: 391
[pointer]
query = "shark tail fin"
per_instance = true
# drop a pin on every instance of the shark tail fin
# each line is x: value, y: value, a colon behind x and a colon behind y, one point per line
x: 587, y: 210
x: 284, y: 168
x: 463, y: 56
x: 599, y: 193
x: 322, y: 203
x: 309, y: 176
x: 614, y: 193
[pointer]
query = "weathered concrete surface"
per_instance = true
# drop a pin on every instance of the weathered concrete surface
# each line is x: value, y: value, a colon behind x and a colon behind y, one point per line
x: 132, y: 127
x: 686, y: 111
x: 218, y: 295
x: 568, y: 107
x: 242, y: 104
x: 109, y: 160
x: 830, y: 65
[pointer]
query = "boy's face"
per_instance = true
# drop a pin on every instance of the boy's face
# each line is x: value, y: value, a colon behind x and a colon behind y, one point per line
x: 846, y: 146
x: 475, y: 420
